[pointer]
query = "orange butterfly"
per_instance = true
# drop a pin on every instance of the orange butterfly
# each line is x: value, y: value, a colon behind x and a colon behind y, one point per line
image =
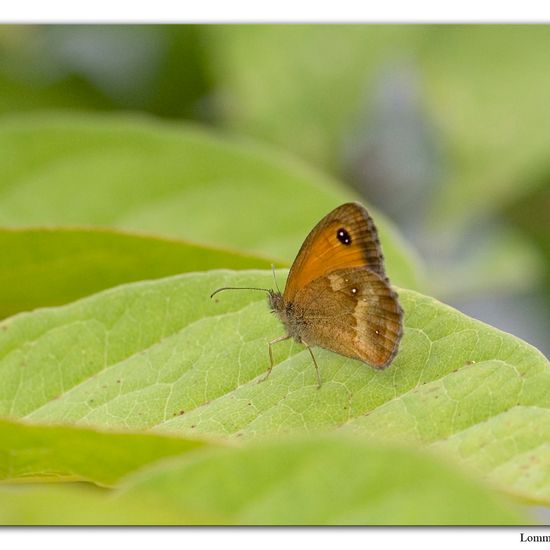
x: 337, y: 294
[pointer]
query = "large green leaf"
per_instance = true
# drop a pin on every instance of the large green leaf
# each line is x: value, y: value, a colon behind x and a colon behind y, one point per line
x: 70, y: 505
x: 488, y: 86
x: 46, y: 267
x: 135, y: 173
x: 161, y: 355
x: 280, y: 81
x: 327, y: 481
x: 64, y: 453
x: 315, y: 481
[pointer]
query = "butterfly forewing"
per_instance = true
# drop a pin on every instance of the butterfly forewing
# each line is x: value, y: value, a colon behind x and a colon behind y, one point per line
x: 345, y: 238
x: 351, y: 311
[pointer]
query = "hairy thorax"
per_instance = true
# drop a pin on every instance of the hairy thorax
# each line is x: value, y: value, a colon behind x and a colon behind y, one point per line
x: 288, y: 313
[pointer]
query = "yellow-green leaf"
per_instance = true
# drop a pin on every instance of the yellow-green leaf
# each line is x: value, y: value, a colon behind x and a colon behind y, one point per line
x: 161, y: 355
x: 47, y: 267
x: 69, y: 453
x: 172, y: 180
x: 306, y: 481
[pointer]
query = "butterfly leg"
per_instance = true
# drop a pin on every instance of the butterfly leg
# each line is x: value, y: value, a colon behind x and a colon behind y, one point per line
x: 271, y: 362
x: 319, y: 383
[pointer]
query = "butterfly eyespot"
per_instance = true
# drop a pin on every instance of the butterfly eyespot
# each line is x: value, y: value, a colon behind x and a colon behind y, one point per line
x: 343, y: 236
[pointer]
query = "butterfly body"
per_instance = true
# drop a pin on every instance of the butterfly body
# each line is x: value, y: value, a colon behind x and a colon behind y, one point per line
x: 292, y: 318
x: 337, y: 294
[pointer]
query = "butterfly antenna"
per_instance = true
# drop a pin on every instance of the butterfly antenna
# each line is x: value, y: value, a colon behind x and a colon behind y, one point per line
x: 238, y: 288
x: 275, y: 278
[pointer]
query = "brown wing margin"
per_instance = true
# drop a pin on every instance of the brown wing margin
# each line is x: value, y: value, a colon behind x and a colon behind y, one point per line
x: 322, y: 252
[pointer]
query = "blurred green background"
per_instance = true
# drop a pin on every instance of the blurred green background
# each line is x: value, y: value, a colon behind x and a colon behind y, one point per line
x: 446, y: 129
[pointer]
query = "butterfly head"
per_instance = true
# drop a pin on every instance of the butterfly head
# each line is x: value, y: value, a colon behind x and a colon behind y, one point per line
x: 276, y: 301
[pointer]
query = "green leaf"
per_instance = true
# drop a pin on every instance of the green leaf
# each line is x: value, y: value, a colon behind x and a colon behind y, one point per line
x: 158, y: 69
x: 136, y: 356
x: 323, y: 481
x: 31, y: 80
x: 488, y: 86
x: 81, y: 505
x: 135, y: 173
x: 68, y: 453
x: 280, y: 81
x: 485, y: 87
x: 46, y: 267
x: 313, y: 481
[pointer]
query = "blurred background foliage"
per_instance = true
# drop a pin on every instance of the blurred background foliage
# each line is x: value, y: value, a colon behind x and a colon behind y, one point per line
x: 446, y: 128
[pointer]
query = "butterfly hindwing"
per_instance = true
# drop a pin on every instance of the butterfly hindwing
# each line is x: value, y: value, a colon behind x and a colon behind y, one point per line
x: 345, y: 238
x: 352, y: 311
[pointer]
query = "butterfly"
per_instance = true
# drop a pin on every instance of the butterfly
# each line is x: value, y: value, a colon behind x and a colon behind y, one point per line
x: 337, y: 294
